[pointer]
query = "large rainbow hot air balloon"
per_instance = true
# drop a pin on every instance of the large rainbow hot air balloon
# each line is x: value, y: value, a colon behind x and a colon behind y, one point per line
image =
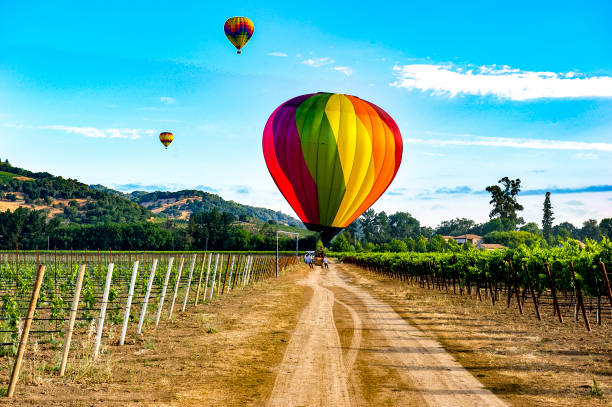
x: 239, y: 31
x: 166, y: 138
x: 332, y: 156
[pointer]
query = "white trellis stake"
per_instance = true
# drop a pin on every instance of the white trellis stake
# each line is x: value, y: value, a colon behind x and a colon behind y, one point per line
x: 163, y: 293
x: 128, y: 304
x: 193, y: 260
x: 212, y: 283
x: 207, y: 274
x: 109, y: 277
x: 145, y: 303
x: 200, y: 279
x: 176, y: 287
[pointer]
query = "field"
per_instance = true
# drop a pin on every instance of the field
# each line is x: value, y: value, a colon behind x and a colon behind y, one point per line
x: 388, y: 329
x: 121, y: 296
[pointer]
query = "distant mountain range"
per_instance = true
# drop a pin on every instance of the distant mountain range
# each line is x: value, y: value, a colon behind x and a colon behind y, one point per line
x: 74, y: 201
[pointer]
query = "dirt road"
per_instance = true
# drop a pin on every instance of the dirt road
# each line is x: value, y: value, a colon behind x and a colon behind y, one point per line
x: 377, y: 348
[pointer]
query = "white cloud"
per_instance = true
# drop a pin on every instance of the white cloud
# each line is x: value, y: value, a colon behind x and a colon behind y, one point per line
x: 344, y: 69
x: 503, y: 82
x: 538, y: 144
x: 277, y: 54
x: 94, y: 132
x: 318, y: 62
x: 167, y: 100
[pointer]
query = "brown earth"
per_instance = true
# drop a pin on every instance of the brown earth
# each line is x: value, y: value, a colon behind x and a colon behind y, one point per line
x: 348, y: 338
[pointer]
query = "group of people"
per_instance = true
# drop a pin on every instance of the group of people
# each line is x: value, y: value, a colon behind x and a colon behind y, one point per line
x: 309, y: 258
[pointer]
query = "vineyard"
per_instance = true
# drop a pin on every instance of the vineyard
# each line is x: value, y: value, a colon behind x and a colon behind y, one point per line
x: 562, y: 281
x: 66, y: 310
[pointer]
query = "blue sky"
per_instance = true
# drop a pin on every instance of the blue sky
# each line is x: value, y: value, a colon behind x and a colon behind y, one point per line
x: 479, y: 91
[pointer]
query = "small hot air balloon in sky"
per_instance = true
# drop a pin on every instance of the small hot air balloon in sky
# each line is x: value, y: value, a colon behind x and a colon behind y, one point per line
x: 332, y: 156
x: 166, y: 138
x: 239, y: 31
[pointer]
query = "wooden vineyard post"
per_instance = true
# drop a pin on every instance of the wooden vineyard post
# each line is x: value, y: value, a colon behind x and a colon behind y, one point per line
x: 227, y: 269
x: 212, y: 283
x: 26, y: 332
x: 239, y: 264
x: 107, y: 284
x: 193, y: 261
x: 220, y: 274
x: 200, y: 279
x: 516, y: 288
x: 163, y: 293
x: 145, y: 302
x: 176, y: 287
x: 579, y: 297
x: 602, y: 266
x: 533, y: 297
x: 73, y: 314
x: 128, y: 304
x: 553, y: 293
x: 207, y: 274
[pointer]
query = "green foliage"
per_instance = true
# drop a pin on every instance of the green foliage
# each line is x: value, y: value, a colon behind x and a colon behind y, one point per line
x: 341, y: 244
x: 512, y: 239
x: 492, y: 266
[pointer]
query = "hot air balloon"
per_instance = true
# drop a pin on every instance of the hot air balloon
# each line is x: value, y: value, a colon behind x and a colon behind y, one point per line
x: 332, y: 156
x: 239, y: 31
x: 166, y: 138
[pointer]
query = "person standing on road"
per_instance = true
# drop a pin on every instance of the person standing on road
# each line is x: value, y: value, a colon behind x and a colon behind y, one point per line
x: 325, y: 262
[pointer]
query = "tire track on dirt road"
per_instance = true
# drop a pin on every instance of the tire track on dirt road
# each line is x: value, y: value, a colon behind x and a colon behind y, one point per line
x: 312, y: 372
x: 417, y: 358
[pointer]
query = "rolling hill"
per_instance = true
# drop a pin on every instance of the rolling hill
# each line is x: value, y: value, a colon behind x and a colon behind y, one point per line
x: 75, y: 202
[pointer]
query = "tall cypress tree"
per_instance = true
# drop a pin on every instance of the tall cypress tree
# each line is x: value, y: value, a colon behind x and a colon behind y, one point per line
x: 547, y: 219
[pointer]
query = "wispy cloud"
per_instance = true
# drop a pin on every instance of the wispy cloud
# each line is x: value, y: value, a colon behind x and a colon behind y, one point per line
x: 456, y: 190
x: 277, y: 54
x: 503, y: 82
x: 318, y: 62
x: 428, y: 154
x: 344, y: 69
x: 241, y: 189
x: 585, y: 156
x: 578, y: 190
x: 574, y: 202
x: 538, y: 144
x: 93, y: 132
x: 167, y: 100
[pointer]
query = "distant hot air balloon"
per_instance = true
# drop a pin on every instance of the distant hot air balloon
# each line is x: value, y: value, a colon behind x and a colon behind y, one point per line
x: 166, y: 138
x: 239, y: 31
x: 332, y: 156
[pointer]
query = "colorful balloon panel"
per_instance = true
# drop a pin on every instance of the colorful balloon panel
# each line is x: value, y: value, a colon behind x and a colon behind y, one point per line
x: 239, y: 31
x: 166, y: 138
x: 332, y: 156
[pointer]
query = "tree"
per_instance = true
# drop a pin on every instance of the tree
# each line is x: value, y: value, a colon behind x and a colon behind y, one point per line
x: 437, y: 244
x: 504, y: 201
x: 590, y: 230
x: 531, y: 227
x: 605, y: 226
x: 340, y: 244
x: 565, y: 230
x: 368, y: 225
x: 547, y: 218
x: 420, y: 245
x: 455, y: 227
x: 398, y: 246
x: 403, y: 225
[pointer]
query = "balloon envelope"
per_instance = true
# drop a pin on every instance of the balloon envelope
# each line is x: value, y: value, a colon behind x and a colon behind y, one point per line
x: 239, y: 31
x: 332, y: 156
x: 166, y: 138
